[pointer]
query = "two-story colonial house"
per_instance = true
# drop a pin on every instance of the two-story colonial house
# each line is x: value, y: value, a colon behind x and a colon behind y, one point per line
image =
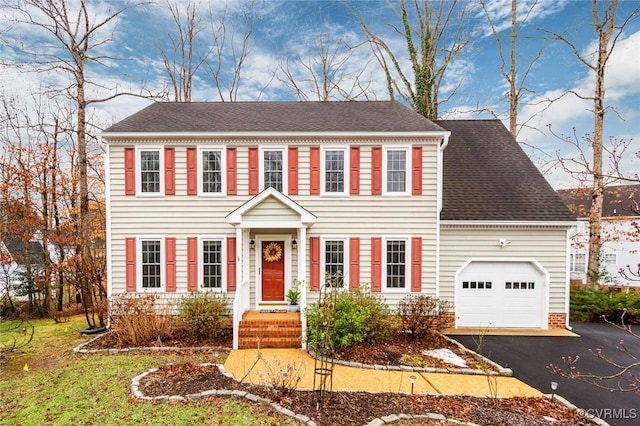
x: 244, y: 198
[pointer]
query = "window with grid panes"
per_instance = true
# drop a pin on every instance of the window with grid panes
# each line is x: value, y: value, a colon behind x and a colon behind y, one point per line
x: 273, y: 169
x: 212, y: 171
x: 212, y: 264
x: 396, y: 170
x: 150, y: 171
x: 334, y: 261
x: 396, y: 263
x: 151, y: 264
x: 334, y: 164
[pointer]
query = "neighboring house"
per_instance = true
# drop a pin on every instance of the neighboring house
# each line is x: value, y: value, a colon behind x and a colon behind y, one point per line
x: 16, y: 257
x: 620, y: 239
x: 245, y: 198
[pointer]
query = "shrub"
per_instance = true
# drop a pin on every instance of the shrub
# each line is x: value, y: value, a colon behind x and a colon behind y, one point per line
x: 589, y: 305
x: 138, y: 320
x: 421, y: 314
x: 356, y: 316
x: 206, y: 315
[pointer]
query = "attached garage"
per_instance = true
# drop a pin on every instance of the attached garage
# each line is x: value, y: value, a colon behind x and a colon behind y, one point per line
x: 501, y: 294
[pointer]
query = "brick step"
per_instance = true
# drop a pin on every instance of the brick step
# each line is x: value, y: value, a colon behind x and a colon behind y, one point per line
x: 270, y: 332
x: 269, y: 342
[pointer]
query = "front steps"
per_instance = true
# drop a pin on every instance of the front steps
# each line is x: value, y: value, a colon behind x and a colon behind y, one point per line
x: 270, y: 330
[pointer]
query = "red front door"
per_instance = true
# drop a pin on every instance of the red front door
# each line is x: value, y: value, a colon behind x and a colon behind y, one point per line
x: 272, y: 271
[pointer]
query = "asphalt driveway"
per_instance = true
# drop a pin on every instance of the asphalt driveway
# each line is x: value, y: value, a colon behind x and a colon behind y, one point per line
x: 529, y: 357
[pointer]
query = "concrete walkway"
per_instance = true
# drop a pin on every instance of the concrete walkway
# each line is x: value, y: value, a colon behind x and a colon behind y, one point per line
x: 262, y: 366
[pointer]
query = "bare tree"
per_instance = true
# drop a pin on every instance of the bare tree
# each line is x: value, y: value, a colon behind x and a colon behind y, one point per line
x: 508, y: 59
x: 325, y: 74
x: 229, y: 54
x: 184, y: 59
x: 78, y: 35
x: 434, y: 33
x: 607, y: 33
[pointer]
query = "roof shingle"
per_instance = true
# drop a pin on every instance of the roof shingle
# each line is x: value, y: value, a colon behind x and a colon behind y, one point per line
x: 487, y: 176
x: 385, y: 116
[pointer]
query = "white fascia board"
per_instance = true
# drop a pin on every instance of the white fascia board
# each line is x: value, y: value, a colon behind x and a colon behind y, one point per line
x: 567, y: 224
x: 112, y: 136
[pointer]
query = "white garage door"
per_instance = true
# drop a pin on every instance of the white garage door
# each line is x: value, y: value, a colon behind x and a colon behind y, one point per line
x: 500, y: 294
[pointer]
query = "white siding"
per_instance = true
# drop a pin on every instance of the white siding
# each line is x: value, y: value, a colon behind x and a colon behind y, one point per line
x: 548, y: 246
x: 364, y: 216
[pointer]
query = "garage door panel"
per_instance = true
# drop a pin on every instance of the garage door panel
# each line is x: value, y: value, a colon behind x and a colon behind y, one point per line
x: 499, y: 294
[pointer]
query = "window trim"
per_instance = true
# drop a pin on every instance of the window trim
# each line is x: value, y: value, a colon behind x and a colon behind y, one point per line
x: 346, y: 170
x: 285, y: 167
x: 407, y: 171
x: 139, y: 264
x: 407, y: 264
x: 161, y: 171
x: 223, y: 241
x: 223, y: 171
x: 323, y: 255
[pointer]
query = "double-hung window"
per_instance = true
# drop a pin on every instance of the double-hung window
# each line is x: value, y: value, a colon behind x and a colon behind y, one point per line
x: 212, y: 263
x: 335, y: 260
x: 212, y: 163
x: 151, y: 270
x: 578, y: 262
x: 335, y: 176
x: 396, y: 171
x: 150, y: 166
x: 396, y: 255
x: 274, y: 168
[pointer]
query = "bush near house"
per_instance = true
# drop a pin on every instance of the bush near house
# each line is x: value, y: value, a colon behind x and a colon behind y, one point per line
x: 421, y: 314
x: 589, y: 305
x: 357, y: 316
x: 205, y: 315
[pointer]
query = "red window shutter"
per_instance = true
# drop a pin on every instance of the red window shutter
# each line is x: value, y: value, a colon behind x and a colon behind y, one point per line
x: 314, y: 170
x: 354, y: 263
x: 254, y: 171
x: 293, y: 170
x: 376, y: 264
x: 354, y: 179
x: 130, y: 171
x: 314, y: 243
x: 192, y: 171
x: 416, y: 171
x: 170, y: 260
x: 232, y: 171
x: 169, y: 171
x: 130, y: 261
x: 416, y: 264
x: 192, y: 264
x: 231, y: 264
x: 376, y: 170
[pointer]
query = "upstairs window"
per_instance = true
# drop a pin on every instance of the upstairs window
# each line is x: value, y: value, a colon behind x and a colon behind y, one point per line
x: 396, y: 171
x: 150, y: 161
x: 212, y: 168
x: 335, y: 175
x: 273, y: 169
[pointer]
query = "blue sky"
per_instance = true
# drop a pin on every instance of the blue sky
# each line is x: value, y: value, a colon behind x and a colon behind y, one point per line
x: 292, y: 29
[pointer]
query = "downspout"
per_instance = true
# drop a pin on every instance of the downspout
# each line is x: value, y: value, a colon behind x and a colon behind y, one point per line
x: 440, y: 173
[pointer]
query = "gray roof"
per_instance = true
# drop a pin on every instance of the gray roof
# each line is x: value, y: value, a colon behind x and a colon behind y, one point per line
x: 487, y: 176
x: 22, y: 253
x: 618, y: 200
x: 377, y: 116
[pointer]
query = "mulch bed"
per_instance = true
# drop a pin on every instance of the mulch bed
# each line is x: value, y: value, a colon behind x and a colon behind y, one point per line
x: 358, y: 408
x: 402, y: 350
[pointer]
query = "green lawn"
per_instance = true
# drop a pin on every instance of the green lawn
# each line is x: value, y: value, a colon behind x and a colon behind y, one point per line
x: 61, y: 388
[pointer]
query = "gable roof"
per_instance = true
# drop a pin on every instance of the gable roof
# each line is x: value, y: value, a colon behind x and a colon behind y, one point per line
x: 31, y: 252
x: 616, y: 200
x: 487, y: 176
x: 190, y: 117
